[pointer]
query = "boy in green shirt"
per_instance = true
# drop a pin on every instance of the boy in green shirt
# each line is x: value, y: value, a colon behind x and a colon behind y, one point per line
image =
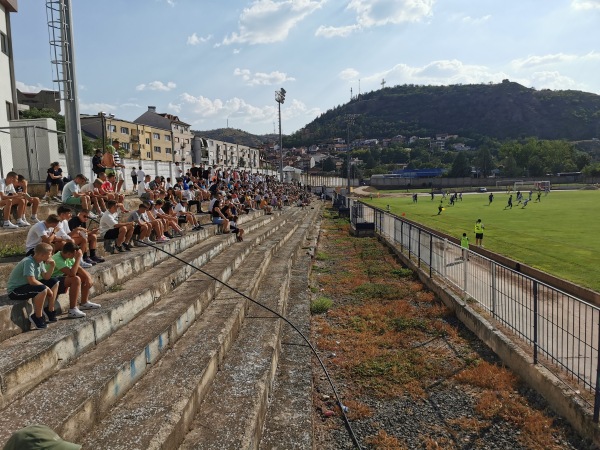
x: 74, y: 278
x: 32, y: 279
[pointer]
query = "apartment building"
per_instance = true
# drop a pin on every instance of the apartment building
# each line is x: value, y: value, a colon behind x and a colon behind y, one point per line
x: 226, y: 154
x: 8, y: 92
x: 180, y: 137
x: 135, y: 139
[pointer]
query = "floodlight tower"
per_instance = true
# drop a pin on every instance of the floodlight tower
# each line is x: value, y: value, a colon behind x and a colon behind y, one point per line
x: 62, y: 54
x: 280, y: 98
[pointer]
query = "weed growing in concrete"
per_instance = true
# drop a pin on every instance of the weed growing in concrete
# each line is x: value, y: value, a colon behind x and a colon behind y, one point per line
x: 320, y: 305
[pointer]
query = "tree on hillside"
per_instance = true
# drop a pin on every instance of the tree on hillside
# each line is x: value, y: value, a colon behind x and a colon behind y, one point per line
x: 485, y: 161
x: 328, y: 165
x: 460, y: 166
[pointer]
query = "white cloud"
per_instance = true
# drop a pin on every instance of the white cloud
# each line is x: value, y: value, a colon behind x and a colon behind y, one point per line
x: 585, y: 4
x: 31, y: 88
x: 557, y: 58
x: 175, y: 107
x: 94, y: 108
x: 376, y: 13
x: 552, y: 80
x: 194, y: 39
x: 170, y: 2
x: 476, y: 20
x: 260, y: 78
x: 156, y: 86
x: 200, y: 108
x: 329, y: 32
x: 236, y: 51
x: 269, y: 21
x: 349, y: 74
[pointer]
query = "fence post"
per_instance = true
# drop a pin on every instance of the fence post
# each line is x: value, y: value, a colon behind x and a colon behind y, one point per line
x: 419, y: 248
x: 25, y: 135
x: 597, y: 387
x: 402, y: 236
x: 430, y: 255
x: 465, y: 276
x: 409, y: 239
x: 494, y: 290
x: 535, y: 322
x: 444, y: 258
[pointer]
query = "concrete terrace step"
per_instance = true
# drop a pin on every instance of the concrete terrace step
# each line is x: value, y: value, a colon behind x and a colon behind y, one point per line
x: 14, y: 316
x: 248, y: 370
x: 27, y: 359
x: 162, y: 404
x: 96, y: 379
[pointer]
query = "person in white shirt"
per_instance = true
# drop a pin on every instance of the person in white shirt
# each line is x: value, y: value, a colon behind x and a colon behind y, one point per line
x: 43, y: 232
x: 186, y: 217
x: 65, y: 234
x: 140, y: 175
x: 144, y: 190
x: 110, y: 228
x: 72, y: 194
x: 9, y: 198
x: 96, y: 197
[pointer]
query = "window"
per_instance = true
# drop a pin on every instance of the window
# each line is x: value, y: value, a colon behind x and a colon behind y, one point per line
x: 157, y: 149
x: 148, y: 155
x: 167, y: 149
x: 156, y: 136
x: 148, y: 141
x: 4, y: 43
x: 125, y: 146
x: 167, y: 138
x: 176, y: 139
x: 124, y: 130
x: 111, y: 128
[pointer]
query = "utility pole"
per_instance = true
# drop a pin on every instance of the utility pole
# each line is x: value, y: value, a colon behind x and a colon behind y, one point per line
x: 350, y: 118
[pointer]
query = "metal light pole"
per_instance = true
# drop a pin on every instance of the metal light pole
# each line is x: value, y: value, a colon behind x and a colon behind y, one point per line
x: 103, y: 124
x: 280, y: 98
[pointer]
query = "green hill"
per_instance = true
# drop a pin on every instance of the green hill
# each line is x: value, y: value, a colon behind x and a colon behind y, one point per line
x: 237, y: 136
x: 503, y: 111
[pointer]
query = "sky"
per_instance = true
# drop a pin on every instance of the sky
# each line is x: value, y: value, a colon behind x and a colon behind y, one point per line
x: 218, y: 63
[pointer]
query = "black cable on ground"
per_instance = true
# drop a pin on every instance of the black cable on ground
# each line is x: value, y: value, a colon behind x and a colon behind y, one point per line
x: 314, y: 351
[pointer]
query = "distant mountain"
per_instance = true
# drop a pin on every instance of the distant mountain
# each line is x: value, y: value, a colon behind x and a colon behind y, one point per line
x: 503, y: 111
x: 235, y: 136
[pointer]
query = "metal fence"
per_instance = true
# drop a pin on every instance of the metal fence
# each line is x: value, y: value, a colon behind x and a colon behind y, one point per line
x: 561, y: 330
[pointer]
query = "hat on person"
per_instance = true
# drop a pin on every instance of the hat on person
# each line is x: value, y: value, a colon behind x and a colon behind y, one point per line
x: 38, y: 437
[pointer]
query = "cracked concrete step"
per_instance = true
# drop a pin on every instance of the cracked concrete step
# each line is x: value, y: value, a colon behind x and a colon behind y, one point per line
x: 105, y: 373
x: 27, y: 359
x: 288, y: 424
x: 162, y: 404
x: 14, y: 316
x: 249, y: 367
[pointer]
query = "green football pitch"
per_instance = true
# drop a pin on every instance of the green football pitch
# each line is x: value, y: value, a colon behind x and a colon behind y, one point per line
x: 559, y: 235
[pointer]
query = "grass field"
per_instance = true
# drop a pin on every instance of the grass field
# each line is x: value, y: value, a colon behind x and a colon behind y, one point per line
x: 560, y: 235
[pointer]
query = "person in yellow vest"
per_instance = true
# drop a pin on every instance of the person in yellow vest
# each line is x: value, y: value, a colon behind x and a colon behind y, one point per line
x: 479, y: 232
x: 464, y: 244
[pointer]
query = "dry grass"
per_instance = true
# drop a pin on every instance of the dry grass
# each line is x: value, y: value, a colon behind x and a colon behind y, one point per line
x: 387, y: 337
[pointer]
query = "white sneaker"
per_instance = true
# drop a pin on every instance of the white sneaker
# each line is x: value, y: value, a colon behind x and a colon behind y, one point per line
x: 89, y: 305
x: 75, y: 313
x: 85, y: 265
x: 23, y: 223
x: 9, y: 224
x: 34, y: 219
x: 148, y: 241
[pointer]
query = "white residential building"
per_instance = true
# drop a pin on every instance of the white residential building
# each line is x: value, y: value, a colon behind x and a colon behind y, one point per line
x: 8, y: 91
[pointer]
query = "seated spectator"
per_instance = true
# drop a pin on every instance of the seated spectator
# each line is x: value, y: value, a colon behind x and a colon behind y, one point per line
x: 172, y: 219
x: 145, y: 191
x: 79, y: 223
x: 54, y: 177
x: 72, y: 194
x: 219, y: 218
x: 97, y: 197
x: 108, y: 188
x: 142, y: 228
x: 43, y: 232
x: 9, y: 198
x: 110, y: 228
x: 64, y: 232
x: 73, y: 278
x: 32, y: 279
x: 158, y: 224
x: 184, y: 216
x: 239, y: 232
x: 264, y: 205
x: 97, y: 166
x: 21, y: 188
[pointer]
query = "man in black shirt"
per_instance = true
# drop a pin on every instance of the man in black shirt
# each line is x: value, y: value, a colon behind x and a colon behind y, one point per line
x: 80, y: 220
x: 97, y: 166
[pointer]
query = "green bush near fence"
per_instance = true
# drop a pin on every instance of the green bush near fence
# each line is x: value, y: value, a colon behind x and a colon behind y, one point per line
x: 559, y: 235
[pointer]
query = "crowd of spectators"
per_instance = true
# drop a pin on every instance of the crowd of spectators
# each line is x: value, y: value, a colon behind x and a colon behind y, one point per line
x: 62, y: 246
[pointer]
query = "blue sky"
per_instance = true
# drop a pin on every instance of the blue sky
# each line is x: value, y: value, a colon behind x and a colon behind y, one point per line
x: 214, y: 62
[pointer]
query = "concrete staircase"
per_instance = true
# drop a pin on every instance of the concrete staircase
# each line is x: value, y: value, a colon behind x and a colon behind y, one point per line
x: 173, y: 359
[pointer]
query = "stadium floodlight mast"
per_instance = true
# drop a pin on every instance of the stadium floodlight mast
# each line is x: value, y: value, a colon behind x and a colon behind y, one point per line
x: 280, y: 98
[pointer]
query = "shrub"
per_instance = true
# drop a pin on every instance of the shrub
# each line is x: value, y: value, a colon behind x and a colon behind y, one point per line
x: 320, y: 305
